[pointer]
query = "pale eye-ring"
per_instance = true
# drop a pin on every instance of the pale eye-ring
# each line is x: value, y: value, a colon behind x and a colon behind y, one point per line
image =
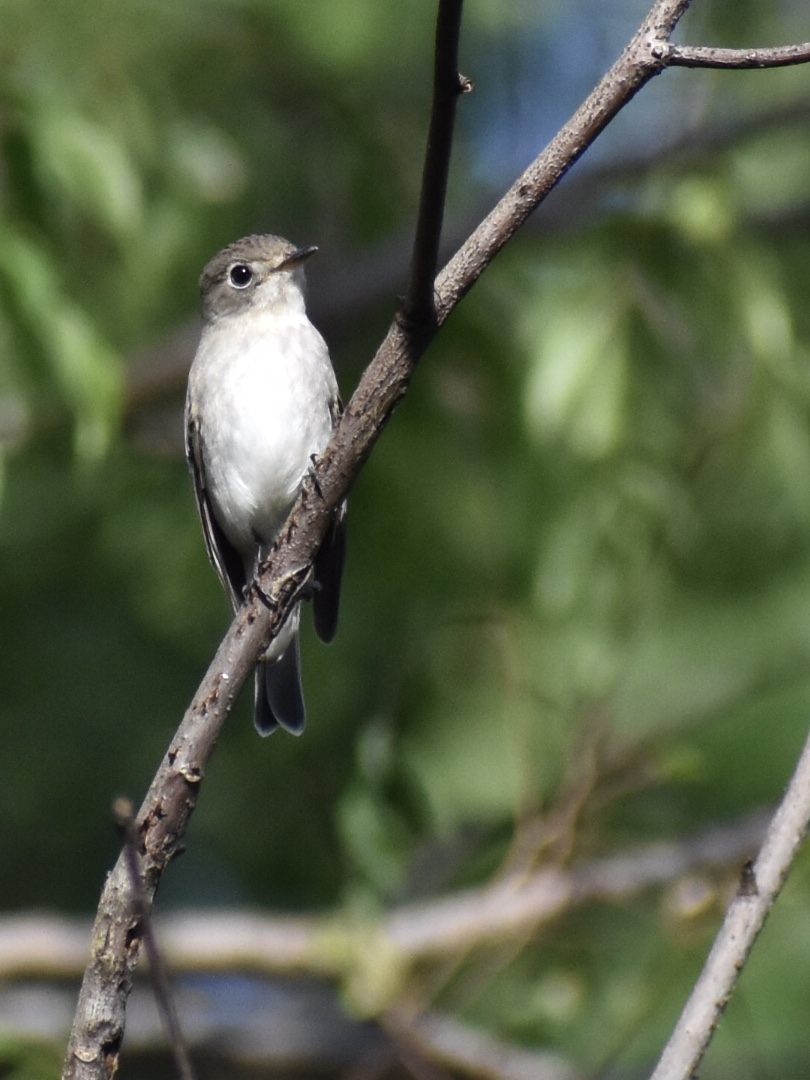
x: 240, y: 276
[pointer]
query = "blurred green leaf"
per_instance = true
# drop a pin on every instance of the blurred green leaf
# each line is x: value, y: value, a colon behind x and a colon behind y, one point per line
x: 85, y: 163
x: 577, y: 380
x: 25, y: 1059
x: 87, y: 370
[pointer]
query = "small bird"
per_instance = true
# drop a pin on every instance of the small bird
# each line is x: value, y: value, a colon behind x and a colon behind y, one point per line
x: 261, y: 405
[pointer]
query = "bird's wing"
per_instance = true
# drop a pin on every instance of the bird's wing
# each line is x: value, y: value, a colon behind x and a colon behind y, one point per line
x: 328, y: 563
x: 328, y: 571
x: 221, y: 552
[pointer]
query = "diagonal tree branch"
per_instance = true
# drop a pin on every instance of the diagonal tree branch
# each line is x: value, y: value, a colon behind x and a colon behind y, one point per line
x: 99, y: 1023
x: 124, y: 815
x: 761, y: 884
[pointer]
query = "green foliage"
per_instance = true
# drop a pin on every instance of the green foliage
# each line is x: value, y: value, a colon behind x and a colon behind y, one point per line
x: 22, y: 1059
x: 579, y: 559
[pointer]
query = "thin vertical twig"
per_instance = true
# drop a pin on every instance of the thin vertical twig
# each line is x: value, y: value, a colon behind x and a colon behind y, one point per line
x: 448, y: 84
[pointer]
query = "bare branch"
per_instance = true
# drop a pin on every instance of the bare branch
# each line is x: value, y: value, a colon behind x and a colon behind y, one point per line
x: 664, y: 17
x: 473, y: 1053
x: 759, y: 888
x: 98, y: 1027
x: 706, y: 56
x: 124, y: 814
x: 527, y: 901
x: 47, y: 946
x: 447, y: 85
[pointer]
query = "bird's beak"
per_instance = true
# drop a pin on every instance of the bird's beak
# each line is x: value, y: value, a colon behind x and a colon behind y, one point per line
x: 297, y: 257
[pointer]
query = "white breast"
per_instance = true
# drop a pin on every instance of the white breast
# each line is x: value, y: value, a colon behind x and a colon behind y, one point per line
x: 261, y: 388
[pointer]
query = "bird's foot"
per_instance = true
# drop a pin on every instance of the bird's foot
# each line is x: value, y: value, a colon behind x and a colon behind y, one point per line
x: 296, y: 581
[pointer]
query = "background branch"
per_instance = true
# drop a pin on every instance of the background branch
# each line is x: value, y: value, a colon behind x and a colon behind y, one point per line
x: 471, y: 1052
x: 47, y: 947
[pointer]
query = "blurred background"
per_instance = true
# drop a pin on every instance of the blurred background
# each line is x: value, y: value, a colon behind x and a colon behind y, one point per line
x: 577, y: 601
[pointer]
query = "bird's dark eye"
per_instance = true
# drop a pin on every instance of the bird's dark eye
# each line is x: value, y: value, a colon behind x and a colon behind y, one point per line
x: 240, y: 276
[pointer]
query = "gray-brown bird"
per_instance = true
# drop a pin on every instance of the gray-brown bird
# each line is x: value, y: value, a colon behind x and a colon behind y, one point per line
x: 261, y: 405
